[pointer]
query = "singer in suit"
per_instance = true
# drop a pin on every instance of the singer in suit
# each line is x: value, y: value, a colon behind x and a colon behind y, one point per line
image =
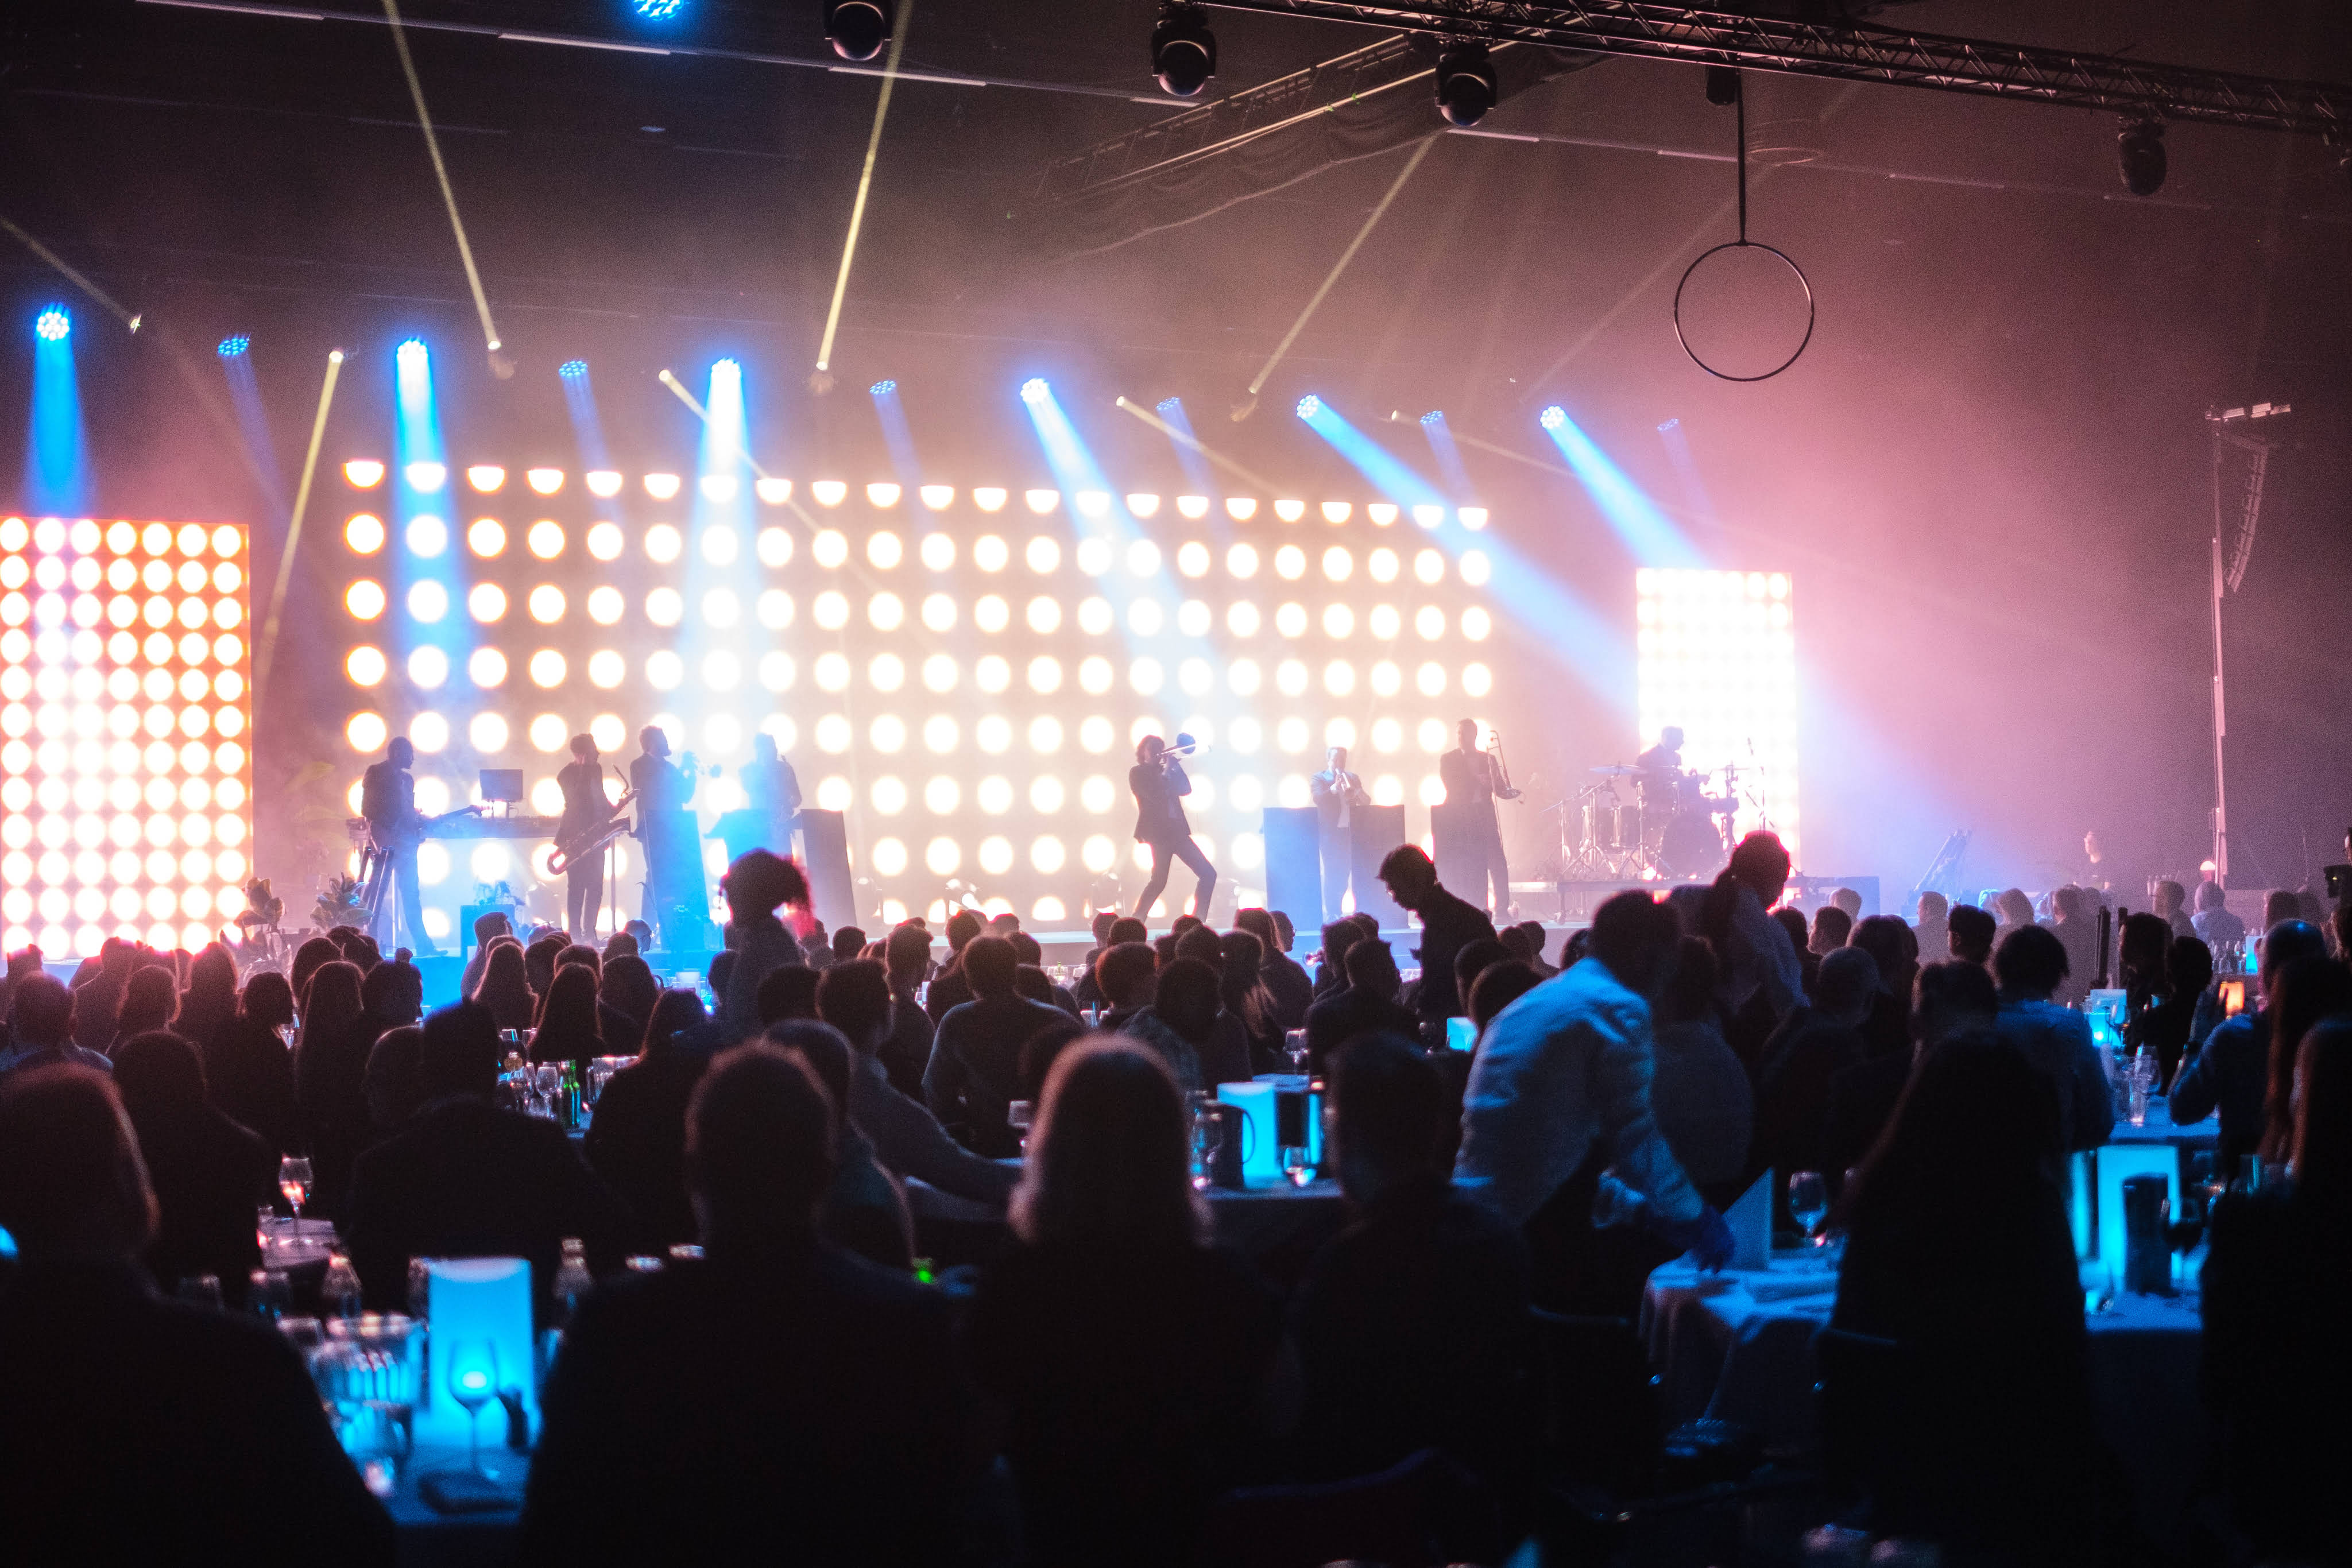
x: 1340, y: 796
x: 1472, y: 784
x: 1160, y: 785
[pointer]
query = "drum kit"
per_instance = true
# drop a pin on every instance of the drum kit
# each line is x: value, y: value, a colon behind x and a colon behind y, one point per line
x: 1673, y: 828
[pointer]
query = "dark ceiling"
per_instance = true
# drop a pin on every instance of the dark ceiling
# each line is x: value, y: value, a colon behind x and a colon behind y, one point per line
x: 1989, y: 461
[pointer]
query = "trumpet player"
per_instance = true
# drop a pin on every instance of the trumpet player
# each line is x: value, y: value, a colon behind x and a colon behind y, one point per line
x: 1160, y: 784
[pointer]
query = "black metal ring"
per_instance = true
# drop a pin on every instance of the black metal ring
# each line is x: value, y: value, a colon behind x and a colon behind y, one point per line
x: 1802, y: 282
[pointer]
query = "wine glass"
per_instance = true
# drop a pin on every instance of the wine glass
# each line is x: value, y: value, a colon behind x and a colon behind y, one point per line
x: 294, y: 1183
x: 473, y: 1381
x: 1295, y: 1165
x: 1293, y: 1046
x: 1809, y: 1202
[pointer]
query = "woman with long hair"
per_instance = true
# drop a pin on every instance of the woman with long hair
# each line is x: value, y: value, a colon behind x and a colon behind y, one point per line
x: 2307, y: 991
x: 1241, y: 988
x: 1133, y: 1352
x: 248, y: 1072
x: 210, y: 999
x: 503, y: 988
x: 148, y: 998
x: 207, y: 1172
x: 567, y: 1019
x: 331, y: 1080
x: 2277, y: 1371
x: 636, y: 1139
x: 1958, y: 1251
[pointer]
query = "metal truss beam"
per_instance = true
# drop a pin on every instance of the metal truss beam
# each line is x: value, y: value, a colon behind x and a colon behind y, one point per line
x: 1848, y: 51
x: 1176, y: 141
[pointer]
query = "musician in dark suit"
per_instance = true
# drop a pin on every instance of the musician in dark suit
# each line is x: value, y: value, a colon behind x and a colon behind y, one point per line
x: 772, y: 791
x: 1160, y: 785
x: 1474, y: 782
x: 673, y: 843
x: 388, y: 801
x: 586, y: 812
x: 1340, y: 796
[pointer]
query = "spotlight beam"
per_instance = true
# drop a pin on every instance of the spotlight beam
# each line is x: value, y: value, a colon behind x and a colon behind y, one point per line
x: 865, y: 184
x: 491, y: 343
x: 269, y: 647
x: 1185, y: 438
x: 1420, y: 151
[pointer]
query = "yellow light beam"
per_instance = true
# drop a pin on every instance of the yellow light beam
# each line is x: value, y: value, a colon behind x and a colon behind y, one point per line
x: 1420, y: 151
x: 75, y: 278
x: 262, y: 656
x: 448, y: 196
x: 1213, y: 456
x: 865, y: 183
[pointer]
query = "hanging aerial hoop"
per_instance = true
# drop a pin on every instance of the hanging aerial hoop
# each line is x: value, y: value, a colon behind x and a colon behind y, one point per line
x: 1744, y: 243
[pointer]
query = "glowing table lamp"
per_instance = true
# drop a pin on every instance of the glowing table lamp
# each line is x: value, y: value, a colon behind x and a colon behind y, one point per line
x: 479, y: 1343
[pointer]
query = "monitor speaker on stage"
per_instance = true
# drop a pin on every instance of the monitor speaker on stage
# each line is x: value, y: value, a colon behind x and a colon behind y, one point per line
x: 825, y: 853
x: 1294, y: 860
x: 1378, y: 830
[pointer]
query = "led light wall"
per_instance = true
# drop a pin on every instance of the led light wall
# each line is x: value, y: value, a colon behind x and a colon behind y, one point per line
x: 124, y: 779
x: 963, y: 672
x: 1718, y: 659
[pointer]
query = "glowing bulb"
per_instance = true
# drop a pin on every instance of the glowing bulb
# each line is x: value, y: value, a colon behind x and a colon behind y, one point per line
x: 718, y: 488
x: 829, y: 492
x: 1337, y: 511
x: 603, y: 483
x: 486, y: 477
x: 989, y: 498
x: 544, y: 481
x: 882, y: 493
x: 661, y: 486
x: 363, y: 473
x: 938, y: 497
x: 363, y: 533
x: 426, y: 477
x: 773, y: 492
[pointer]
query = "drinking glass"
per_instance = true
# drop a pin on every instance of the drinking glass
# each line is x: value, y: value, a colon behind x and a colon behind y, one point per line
x: 1208, y: 1133
x: 1293, y: 1046
x: 1020, y: 1114
x: 1809, y: 1201
x: 1294, y: 1165
x: 473, y: 1381
x: 294, y: 1183
x: 270, y: 1292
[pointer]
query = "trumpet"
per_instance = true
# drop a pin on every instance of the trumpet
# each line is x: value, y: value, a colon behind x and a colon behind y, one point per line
x: 1185, y: 746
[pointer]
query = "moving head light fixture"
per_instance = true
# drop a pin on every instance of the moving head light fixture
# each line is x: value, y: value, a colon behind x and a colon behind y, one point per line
x: 2139, y: 149
x: 857, y: 29
x: 1466, y: 88
x: 1184, y: 51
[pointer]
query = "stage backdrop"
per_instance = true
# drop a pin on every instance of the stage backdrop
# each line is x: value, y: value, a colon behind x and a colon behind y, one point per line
x: 124, y: 779
x: 964, y: 673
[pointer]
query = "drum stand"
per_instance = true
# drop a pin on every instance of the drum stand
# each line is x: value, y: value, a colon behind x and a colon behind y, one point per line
x: 375, y: 886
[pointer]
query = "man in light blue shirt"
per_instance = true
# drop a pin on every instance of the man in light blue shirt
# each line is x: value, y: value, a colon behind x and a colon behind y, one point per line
x: 1565, y: 1070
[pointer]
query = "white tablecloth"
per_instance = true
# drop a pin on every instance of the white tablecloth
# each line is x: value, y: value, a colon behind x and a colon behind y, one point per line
x: 1738, y: 1346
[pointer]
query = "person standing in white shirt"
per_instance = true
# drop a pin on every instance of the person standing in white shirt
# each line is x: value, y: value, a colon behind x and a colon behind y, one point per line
x: 1339, y: 795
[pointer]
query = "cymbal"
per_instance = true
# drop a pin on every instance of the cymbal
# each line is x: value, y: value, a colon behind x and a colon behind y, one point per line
x: 1616, y: 770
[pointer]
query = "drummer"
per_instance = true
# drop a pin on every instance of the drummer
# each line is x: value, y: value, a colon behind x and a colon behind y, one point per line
x: 1660, y: 767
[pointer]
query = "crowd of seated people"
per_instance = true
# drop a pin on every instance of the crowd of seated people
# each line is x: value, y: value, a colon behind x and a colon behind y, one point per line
x: 1130, y: 1370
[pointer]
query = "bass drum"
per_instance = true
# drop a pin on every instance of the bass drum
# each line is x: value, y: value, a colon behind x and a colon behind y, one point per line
x: 1693, y: 850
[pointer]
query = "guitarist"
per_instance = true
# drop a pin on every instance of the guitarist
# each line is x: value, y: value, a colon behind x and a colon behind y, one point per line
x: 388, y: 801
x: 586, y: 814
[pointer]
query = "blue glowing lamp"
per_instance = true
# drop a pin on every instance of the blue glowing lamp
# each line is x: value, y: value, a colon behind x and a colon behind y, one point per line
x: 573, y: 370
x: 1309, y: 406
x: 1036, y: 391
x: 412, y: 355
x: 230, y: 347
x: 52, y: 325
x: 658, y: 10
x: 480, y: 1346
x: 883, y: 388
x: 1435, y: 417
x: 1553, y: 417
x: 1171, y: 405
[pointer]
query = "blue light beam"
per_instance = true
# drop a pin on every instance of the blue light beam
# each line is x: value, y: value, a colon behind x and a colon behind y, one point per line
x: 56, y: 460
x: 1578, y: 636
x: 587, y: 430
x: 426, y: 528
x: 1442, y: 447
x: 1695, y: 499
x: 1650, y: 536
x: 253, y: 422
x: 896, y: 434
x: 1196, y: 467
